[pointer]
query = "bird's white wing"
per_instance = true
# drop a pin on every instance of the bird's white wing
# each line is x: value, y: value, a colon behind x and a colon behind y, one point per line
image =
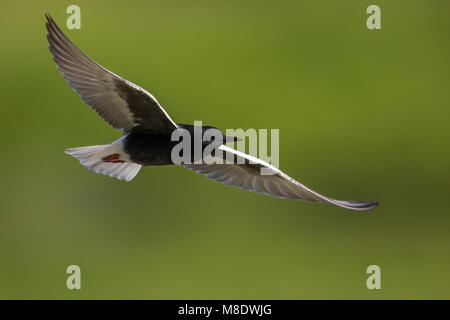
x: 245, y: 173
x: 119, y: 102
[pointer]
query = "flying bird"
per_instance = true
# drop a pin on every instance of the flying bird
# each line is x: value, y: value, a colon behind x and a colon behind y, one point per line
x: 147, y: 130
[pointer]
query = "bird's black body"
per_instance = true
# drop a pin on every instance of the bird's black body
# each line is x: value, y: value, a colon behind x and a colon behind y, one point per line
x: 155, y: 149
x: 149, y: 149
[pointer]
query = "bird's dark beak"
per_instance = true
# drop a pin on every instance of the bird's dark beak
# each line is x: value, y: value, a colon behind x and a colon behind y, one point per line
x: 229, y: 139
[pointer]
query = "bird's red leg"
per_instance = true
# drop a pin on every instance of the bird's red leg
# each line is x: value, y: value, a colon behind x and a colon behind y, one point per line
x: 115, y: 157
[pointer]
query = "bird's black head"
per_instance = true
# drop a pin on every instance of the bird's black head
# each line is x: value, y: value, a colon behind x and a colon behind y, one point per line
x: 209, y: 133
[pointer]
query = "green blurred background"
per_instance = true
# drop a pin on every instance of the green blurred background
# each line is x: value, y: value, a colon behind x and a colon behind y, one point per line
x: 362, y: 115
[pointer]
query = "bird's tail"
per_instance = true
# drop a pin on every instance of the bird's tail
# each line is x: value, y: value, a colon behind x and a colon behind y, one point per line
x: 108, y: 159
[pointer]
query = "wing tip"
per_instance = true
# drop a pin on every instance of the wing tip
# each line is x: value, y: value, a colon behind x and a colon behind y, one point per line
x: 49, y: 25
x: 49, y: 19
x: 359, y: 205
x: 48, y: 16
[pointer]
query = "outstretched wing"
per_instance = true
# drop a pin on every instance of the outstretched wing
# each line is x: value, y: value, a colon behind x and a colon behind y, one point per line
x: 245, y: 173
x: 119, y: 102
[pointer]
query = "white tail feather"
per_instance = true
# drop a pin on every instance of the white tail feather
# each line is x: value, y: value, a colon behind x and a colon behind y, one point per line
x: 92, y: 158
